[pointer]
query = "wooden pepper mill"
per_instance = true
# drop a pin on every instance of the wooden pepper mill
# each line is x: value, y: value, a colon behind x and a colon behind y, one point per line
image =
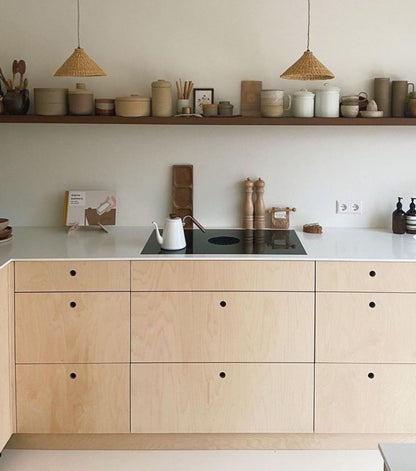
x: 248, y: 219
x: 259, y: 209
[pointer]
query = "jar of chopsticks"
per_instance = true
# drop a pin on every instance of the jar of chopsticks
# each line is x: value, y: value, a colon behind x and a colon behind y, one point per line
x: 184, y: 90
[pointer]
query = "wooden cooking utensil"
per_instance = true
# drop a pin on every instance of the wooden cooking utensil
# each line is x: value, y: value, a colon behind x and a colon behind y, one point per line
x: 25, y: 84
x: 22, y: 71
x: 15, y: 70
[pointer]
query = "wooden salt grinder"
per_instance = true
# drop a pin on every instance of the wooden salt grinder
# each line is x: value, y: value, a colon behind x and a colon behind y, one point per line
x: 259, y: 208
x: 248, y: 219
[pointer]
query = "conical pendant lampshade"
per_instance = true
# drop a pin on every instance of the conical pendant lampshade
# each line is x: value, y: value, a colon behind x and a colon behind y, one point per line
x: 308, y: 67
x: 79, y: 64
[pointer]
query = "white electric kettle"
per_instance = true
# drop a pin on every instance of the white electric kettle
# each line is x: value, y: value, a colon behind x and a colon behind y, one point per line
x: 173, y: 234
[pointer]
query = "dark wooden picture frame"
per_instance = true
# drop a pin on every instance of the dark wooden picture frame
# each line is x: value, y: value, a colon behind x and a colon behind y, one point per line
x: 201, y: 96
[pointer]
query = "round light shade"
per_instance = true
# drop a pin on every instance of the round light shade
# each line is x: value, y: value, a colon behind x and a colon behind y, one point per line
x: 79, y: 64
x: 308, y: 67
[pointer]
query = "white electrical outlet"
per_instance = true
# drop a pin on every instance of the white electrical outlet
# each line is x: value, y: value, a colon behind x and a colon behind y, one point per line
x: 349, y: 207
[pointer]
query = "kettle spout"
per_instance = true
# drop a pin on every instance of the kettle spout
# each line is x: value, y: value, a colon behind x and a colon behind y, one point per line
x: 159, y: 238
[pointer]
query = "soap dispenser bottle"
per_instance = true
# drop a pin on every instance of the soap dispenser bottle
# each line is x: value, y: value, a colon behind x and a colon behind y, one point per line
x: 399, y: 218
x: 411, y: 218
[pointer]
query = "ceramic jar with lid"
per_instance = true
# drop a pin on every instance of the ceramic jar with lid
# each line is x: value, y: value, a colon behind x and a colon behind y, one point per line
x: 162, y: 98
x: 132, y: 106
x: 303, y: 104
x: 209, y: 109
x: 225, y: 108
x: 51, y: 101
x: 104, y: 107
x: 81, y: 100
x: 327, y: 102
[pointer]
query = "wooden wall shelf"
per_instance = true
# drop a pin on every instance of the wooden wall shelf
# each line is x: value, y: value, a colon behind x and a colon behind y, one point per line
x: 214, y: 121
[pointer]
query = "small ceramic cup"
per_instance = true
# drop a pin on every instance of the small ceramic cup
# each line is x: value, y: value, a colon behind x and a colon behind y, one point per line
x: 350, y: 111
x: 182, y: 103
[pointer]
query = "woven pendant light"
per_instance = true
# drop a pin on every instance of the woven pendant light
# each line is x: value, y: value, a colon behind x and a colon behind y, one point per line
x: 79, y: 64
x: 308, y: 67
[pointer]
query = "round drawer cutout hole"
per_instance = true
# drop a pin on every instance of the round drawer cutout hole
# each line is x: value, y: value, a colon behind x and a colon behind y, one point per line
x: 371, y: 375
x: 73, y: 375
x: 222, y: 374
x: 372, y: 273
x: 372, y: 304
x: 223, y: 303
x: 73, y: 272
x: 73, y: 304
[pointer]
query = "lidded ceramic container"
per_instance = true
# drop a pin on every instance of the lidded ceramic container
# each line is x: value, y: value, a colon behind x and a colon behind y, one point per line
x: 162, y: 98
x: 51, y: 101
x: 327, y: 102
x: 303, y: 104
x: 81, y: 100
x: 225, y: 108
x: 132, y: 106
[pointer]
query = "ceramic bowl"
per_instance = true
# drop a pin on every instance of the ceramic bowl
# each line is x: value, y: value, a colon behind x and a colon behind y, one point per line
x: 4, y: 222
x: 372, y: 114
x: 350, y: 111
x: 5, y: 233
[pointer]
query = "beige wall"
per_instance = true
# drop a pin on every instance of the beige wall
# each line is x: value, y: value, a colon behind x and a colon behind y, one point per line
x: 216, y: 43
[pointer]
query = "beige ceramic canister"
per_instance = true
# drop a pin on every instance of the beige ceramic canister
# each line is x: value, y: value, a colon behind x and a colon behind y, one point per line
x: 133, y: 106
x: 161, y: 98
x: 51, y: 101
x: 105, y: 107
x: 81, y: 100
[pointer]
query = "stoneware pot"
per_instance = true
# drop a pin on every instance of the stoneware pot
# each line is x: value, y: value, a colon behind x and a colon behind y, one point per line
x: 16, y: 101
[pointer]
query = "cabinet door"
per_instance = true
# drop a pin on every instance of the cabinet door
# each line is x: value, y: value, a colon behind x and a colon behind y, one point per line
x: 230, y: 275
x: 6, y: 371
x: 222, y: 398
x: 72, y: 398
x: 366, y: 328
x: 393, y: 277
x: 73, y: 276
x: 222, y: 327
x: 365, y: 398
x: 72, y: 327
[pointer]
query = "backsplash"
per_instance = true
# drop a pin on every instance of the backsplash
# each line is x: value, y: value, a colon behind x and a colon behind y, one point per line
x: 308, y: 168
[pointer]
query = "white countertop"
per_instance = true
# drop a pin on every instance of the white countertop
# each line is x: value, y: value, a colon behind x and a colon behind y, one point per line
x: 54, y: 243
x: 399, y: 456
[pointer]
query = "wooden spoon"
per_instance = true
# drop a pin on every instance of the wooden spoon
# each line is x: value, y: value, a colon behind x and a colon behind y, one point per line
x: 22, y: 71
x: 15, y: 70
x: 25, y: 84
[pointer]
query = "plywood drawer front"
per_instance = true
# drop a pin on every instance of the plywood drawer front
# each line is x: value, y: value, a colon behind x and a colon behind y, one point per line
x: 366, y: 327
x: 222, y: 275
x: 222, y: 327
x: 393, y: 277
x: 73, y: 276
x: 348, y: 401
x: 49, y: 400
x: 196, y: 398
x: 72, y: 327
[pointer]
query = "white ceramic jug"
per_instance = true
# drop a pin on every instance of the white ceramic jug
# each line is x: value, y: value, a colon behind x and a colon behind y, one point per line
x: 173, y: 233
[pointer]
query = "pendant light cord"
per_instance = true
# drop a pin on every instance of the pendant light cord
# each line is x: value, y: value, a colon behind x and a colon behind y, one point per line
x: 79, y: 41
x: 309, y: 22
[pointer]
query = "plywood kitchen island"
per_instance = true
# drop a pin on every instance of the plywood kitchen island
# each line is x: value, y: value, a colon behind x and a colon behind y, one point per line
x: 116, y: 350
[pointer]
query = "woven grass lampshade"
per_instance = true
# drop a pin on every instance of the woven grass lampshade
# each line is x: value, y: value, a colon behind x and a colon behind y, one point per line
x: 79, y: 63
x: 308, y: 67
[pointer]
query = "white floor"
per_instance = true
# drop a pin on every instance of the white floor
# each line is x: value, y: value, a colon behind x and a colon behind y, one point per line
x: 25, y: 460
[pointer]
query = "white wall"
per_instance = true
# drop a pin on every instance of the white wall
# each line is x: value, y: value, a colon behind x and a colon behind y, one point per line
x: 216, y: 43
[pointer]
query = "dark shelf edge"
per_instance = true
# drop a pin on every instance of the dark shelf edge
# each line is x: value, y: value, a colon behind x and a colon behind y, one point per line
x: 214, y: 121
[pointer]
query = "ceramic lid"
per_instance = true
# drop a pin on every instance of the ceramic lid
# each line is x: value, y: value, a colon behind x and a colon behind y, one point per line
x: 161, y: 84
x: 133, y: 98
x: 304, y: 93
x: 80, y: 89
x: 328, y: 88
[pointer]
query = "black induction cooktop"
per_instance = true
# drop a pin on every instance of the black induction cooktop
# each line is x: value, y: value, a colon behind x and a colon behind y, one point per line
x: 233, y: 241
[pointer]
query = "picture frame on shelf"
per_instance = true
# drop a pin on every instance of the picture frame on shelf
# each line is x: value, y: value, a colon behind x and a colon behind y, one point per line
x: 201, y: 97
